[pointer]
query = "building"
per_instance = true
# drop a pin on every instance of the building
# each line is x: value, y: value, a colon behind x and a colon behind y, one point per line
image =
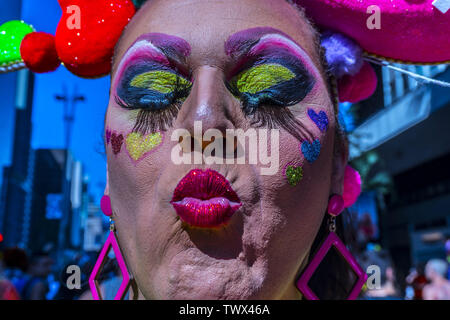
x: 36, y: 213
x: 407, y: 125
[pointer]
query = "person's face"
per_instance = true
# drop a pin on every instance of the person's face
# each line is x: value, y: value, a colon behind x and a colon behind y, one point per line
x: 200, y: 60
x: 43, y: 266
x: 429, y: 272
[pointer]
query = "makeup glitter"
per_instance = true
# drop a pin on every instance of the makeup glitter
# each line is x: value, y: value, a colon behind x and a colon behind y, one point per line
x: 161, y: 49
x: 108, y: 136
x: 205, y: 199
x: 160, y: 81
x: 294, y: 174
x: 320, y: 119
x: 269, y: 69
x: 116, y: 142
x: 138, y: 145
x: 311, y: 151
x: 262, y: 77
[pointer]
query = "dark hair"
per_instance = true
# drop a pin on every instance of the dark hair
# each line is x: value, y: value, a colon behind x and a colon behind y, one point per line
x: 38, y: 255
x: 15, y: 258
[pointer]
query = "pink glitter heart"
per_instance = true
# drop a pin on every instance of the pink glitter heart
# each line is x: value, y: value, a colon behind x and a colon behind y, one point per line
x: 116, y: 142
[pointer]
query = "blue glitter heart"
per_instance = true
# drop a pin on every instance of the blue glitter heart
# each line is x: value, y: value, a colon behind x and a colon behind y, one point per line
x: 311, y: 151
x: 321, y: 119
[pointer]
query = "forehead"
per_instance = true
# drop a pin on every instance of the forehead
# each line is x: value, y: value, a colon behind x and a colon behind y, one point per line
x: 207, y: 24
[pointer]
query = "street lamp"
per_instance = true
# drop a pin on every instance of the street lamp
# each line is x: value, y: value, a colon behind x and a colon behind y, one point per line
x: 69, y: 111
x: 69, y: 103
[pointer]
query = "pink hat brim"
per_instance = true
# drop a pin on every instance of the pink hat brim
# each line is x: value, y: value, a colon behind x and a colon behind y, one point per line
x: 411, y: 30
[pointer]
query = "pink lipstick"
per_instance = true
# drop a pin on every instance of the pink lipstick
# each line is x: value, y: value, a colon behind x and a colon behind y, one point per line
x: 205, y: 199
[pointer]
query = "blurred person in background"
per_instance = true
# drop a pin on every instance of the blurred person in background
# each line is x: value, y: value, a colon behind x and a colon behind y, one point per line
x: 16, y: 265
x: 439, y: 286
x: 85, y: 263
x: 109, y: 281
x: 447, y: 249
x: 37, y: 286
x: 7, y: 289
x: 417, y: 280
x: 388, y: 289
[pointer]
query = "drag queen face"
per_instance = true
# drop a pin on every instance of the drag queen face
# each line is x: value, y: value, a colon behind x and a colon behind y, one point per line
x: 192, y: 230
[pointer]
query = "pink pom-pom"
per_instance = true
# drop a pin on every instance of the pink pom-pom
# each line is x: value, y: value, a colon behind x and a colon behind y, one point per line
x: 358, y: 87
x: 352, y: 186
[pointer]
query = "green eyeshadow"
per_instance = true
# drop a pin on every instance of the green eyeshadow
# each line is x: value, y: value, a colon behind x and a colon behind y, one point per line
x: 262, y: 77
x: 160, y: 81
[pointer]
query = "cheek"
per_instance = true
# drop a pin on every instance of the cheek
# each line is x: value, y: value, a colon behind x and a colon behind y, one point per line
x: 304, y: 175
x: 122, y: 139
x: 296, y: 211
x: 300, y: 159
x: 301, y: 188
x: 134, y: 160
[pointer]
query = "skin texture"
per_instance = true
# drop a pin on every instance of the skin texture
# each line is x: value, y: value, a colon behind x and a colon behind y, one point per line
x: 261, y: 252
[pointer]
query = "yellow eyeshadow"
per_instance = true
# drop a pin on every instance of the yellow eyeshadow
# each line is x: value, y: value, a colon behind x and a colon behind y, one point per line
x: 161, y: 81
x: 262, y: 77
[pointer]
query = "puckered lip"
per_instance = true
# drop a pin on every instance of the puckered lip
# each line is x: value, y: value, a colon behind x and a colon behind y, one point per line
x: 205, y: 199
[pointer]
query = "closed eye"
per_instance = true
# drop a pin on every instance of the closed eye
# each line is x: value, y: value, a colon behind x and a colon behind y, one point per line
x: 156, y: 91
x: 151, y: 88
x: 159, y: 81
x: 272, y: 83
x: 262, y: 77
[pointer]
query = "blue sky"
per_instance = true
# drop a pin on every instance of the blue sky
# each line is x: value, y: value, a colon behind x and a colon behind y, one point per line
x: 48, y: 125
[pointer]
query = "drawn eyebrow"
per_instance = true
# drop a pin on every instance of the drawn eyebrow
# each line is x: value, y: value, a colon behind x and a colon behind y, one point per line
x: 164, y: 48
x: 172, y: 46
x: 249, y: 43
x: 242, y: 41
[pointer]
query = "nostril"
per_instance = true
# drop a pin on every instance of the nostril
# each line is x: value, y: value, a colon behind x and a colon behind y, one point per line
x: 190, y: 144
x: 230, y: 147
x: 206, y: 143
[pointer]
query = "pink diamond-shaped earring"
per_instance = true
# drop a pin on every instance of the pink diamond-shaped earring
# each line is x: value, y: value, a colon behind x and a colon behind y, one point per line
x: 335, y: 208
x: 111, y: 243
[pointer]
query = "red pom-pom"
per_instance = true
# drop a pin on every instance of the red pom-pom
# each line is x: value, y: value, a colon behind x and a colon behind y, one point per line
x: 352, y: 186
x: 358, y: 87
x: 88, y: 32
x: 1, y: 237
x: 39, y: 53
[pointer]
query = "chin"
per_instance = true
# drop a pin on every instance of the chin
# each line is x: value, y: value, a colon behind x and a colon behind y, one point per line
x: 192, y: 275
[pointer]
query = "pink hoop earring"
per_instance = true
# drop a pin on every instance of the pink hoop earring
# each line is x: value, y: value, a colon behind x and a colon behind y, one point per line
x: 335, y: 208
x: 111, y: 242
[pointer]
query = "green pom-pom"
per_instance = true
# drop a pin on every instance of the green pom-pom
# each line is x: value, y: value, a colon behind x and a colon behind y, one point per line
x: 11, y: 36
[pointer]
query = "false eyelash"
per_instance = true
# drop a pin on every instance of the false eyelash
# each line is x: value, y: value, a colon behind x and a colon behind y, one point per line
x: 275, y: 118
x: 133, y: 96
x: 149, y: 121
x: 283, y: 94
x: 273, y: 114
x: 160, y: 119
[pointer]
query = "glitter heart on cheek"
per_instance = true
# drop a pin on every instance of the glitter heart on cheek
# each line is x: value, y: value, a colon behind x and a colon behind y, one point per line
x: 138, y: 145
x: 108, y: 136
x: 311, y: 151
x: 294, y: 174
x: 321, y: 119
x: 116, y: 142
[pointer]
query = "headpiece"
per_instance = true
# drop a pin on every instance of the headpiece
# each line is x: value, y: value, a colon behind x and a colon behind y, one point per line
x: 354, y: 35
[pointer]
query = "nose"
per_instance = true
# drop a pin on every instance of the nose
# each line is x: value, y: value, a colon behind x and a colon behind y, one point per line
x: 209, y: 103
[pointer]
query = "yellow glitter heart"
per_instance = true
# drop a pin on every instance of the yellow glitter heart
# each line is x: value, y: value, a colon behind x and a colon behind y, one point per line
x: 138, y: 145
